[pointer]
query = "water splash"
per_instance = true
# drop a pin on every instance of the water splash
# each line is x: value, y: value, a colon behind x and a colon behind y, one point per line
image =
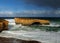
x: 34, y: 32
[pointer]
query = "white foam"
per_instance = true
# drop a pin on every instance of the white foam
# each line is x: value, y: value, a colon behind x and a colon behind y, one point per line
x: 11, y: 20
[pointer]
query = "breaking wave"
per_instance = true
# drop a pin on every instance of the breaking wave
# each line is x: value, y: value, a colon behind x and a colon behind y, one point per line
x: 13, y: 26
x: 34, y: 32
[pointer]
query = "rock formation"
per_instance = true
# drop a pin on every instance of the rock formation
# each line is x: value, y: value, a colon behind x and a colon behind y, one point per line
x: 3, y: 24
x: 14, y: 40
x: 28, y: 21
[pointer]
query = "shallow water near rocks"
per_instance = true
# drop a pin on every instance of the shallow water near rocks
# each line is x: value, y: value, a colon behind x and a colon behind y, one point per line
x: 38, y: 33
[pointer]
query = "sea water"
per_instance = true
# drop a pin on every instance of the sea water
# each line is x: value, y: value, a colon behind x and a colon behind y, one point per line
x: 38, y: 33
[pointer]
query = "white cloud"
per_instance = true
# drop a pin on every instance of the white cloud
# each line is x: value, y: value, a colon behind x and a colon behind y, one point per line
x: 57, y: 12
x: 38, y: 13
x: 6, y: 12
x: 35, y: 12
x: 32, y: 13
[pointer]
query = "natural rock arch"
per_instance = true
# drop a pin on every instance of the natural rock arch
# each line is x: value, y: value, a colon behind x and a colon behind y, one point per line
x: 36, y: 23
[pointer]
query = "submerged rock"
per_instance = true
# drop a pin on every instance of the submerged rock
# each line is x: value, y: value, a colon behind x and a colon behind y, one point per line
x: 14, y: 40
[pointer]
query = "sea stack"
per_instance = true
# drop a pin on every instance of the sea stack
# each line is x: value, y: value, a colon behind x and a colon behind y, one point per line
x: 31, y: 21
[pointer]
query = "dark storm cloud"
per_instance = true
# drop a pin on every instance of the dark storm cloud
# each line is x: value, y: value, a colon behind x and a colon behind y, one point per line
x: 36, y: 13
x: 50, y: 3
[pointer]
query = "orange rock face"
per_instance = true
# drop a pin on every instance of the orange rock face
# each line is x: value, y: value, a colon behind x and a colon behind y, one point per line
x: 3, y: 24
x: 28, y: 21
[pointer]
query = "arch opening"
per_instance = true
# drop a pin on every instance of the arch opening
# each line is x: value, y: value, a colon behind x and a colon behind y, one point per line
x: 36, y: 23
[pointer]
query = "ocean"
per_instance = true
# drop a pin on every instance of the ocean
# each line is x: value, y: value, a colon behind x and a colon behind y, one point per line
x: 45, y: 34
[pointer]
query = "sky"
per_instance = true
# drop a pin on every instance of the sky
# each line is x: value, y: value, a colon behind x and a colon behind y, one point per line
x: 29, y: 8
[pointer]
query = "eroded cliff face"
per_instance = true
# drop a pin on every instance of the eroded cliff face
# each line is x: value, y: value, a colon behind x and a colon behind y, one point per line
x: 3, y: 24
x: 14, y: 40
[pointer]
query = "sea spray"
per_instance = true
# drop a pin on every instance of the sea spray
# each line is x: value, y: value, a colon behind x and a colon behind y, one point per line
x: 52, y: 27
x: 38, y: 32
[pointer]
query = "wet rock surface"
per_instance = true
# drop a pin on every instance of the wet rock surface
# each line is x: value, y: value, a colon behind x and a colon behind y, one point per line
x: 14, y: 40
